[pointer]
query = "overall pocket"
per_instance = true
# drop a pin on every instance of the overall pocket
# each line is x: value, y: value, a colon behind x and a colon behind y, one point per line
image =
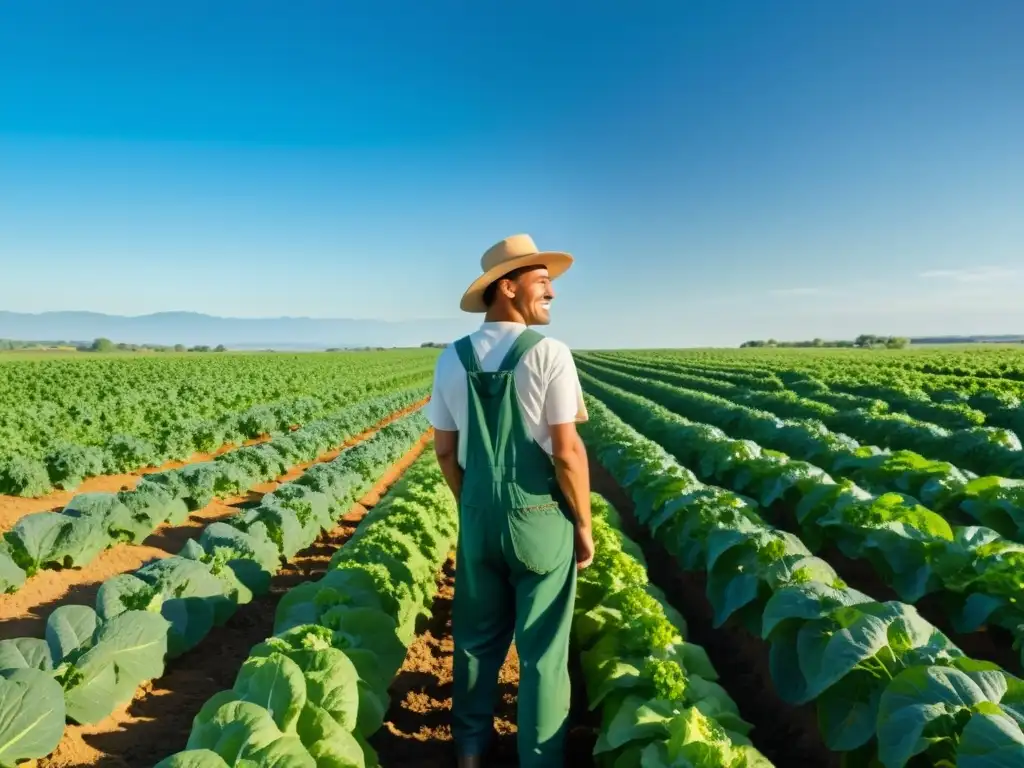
x: 542, y: 537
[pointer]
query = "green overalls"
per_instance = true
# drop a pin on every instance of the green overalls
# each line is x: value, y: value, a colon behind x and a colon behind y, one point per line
x: 515, y: 571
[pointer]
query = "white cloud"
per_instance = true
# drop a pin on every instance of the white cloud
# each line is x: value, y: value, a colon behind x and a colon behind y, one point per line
x: 974, y: 275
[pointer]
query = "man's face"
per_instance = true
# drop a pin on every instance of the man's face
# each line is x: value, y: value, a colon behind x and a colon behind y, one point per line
x: 533, y: 295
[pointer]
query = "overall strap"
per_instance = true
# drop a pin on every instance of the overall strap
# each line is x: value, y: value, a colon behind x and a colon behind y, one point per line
x: 526, y: 341
x: 467, y: 355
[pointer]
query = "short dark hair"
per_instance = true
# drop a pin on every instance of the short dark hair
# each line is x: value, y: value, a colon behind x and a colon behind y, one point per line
x: 492, y: 289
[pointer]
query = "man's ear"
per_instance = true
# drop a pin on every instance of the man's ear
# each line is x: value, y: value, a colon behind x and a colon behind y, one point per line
x: 508, y: 287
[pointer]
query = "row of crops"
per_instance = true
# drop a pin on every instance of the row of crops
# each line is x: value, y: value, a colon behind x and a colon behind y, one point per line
x: 963, y: 369
x: 64, y: 420
x: 771, y: 489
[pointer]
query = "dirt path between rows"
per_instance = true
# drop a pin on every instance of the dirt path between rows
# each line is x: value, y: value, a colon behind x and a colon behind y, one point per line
x: 157, y: 722
x: 24, y: 613
x: 417, y: 726
x: 786, y: 735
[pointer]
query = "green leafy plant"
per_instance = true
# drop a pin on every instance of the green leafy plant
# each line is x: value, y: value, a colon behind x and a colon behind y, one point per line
x: 659, y: 703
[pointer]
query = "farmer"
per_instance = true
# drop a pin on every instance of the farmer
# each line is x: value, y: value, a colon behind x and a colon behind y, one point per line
x: 504, y: 407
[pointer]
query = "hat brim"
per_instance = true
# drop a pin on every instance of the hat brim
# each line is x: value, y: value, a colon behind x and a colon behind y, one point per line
x: 556, y: 262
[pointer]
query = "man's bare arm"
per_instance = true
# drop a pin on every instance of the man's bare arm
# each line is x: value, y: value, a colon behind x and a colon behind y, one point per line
x: 446, y: 446
x: 572, y: 471
x: 573, y: 474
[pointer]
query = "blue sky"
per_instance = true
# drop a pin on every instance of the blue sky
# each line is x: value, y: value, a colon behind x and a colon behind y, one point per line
x: 721, y: 170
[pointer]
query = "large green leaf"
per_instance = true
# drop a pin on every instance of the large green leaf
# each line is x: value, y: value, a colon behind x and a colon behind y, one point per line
x: 991, y: 740
x: 132, y: 646
x: 182, y: 577
x: 91, y: 694
x: 242, y: 730
x: 367, y: 628
x: 51, y: 538
x: 193, y: 758
x: 635, y: 719
x: 277, y: 684
x: 191, y: 620
x: 25, y: 653
x: 31, y: 715
x: 332, y: 683
x: 331, y: 745
x: 920, y: 705
x: 880, y: 638
x: 69, y: 628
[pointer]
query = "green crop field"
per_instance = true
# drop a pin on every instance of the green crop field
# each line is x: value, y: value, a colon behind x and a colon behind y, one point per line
x: 857, y: 515
x: 65, y: 419
x: 804, y: 557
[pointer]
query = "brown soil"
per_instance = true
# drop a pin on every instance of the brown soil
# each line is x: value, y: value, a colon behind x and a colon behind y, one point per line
x: 157, y: 722
x: 13, y: 508
x: 417, y: 726
x: 786, y: 735
x: 24, y: 613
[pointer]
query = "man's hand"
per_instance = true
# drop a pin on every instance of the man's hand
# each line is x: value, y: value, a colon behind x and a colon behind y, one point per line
x: 584, y: 547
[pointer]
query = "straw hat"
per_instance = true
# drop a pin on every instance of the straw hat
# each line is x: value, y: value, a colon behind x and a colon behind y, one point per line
x: 503, y: 257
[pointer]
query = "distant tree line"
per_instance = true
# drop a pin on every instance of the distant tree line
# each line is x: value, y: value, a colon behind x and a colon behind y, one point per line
x: 103, y: 345
x: 106, y: 345
x: 864, y: 341
x: 424, y: 345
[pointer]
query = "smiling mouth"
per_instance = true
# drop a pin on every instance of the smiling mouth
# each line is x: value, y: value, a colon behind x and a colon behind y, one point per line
x: 545, y: 305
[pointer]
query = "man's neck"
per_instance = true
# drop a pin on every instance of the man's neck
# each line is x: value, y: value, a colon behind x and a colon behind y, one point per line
x: 503, y: 315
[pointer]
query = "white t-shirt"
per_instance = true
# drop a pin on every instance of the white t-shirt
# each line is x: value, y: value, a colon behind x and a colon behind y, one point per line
x: 547, y: 385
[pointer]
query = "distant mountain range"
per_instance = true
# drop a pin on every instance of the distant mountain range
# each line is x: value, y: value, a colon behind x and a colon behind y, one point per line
x: 192, y: 328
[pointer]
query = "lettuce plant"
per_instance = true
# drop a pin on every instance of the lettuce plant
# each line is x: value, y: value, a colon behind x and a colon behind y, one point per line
x: 660, y: 706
